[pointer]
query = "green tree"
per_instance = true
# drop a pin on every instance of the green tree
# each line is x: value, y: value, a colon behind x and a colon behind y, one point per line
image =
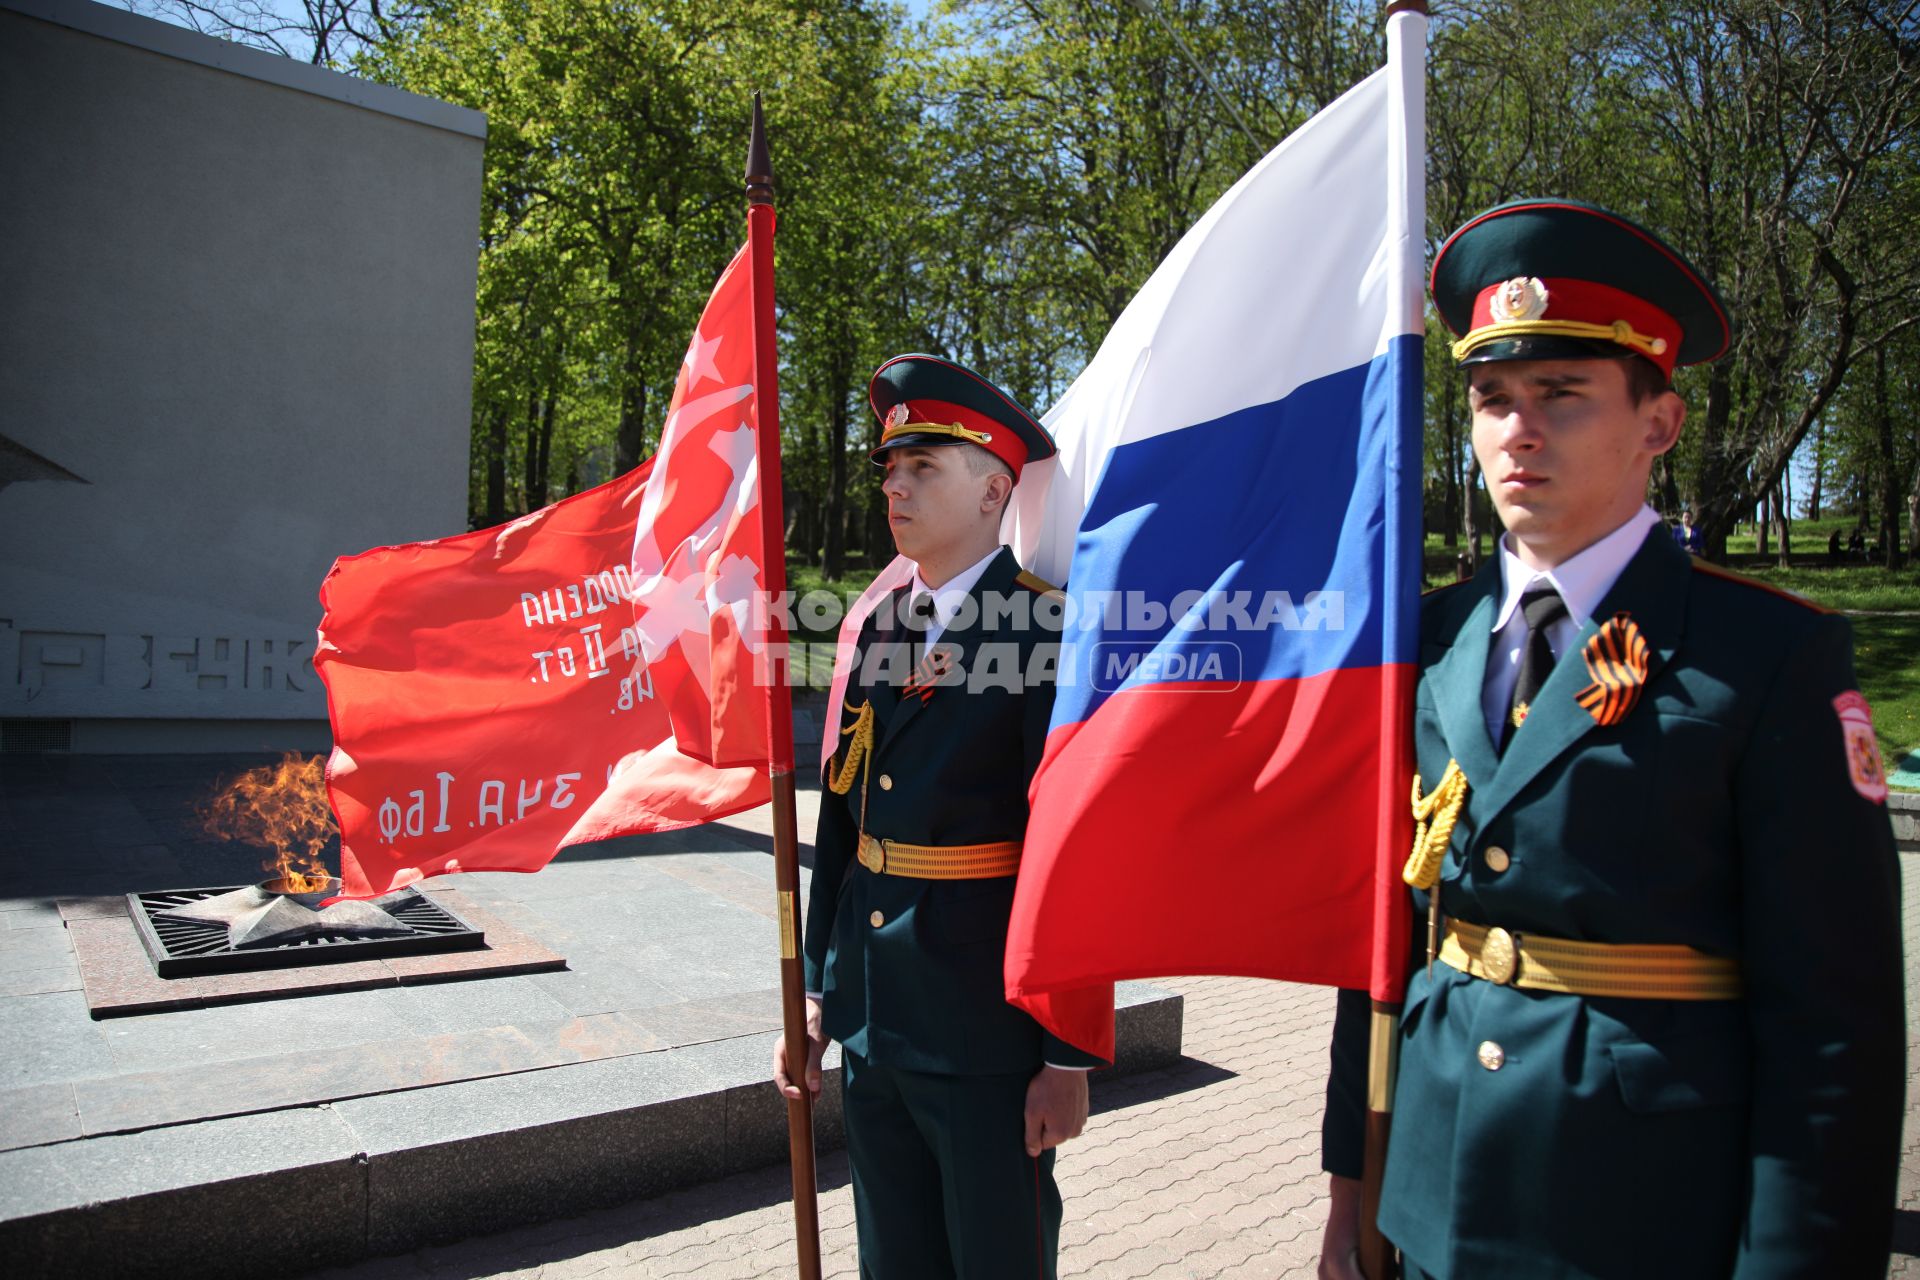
x: 612, y: 197
x: 849, y: 185
x: 1782, y: 123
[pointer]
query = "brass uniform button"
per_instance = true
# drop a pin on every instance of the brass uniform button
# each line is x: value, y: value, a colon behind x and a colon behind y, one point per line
x: 876, y: 919
x: 886, y: 782
x: 1498, y: 859
x: 1499, y: 957
x: 1491, y: 1055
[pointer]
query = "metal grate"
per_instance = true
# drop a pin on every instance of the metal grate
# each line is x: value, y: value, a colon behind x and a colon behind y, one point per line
x: 32, y: 737
x: 191, y: 948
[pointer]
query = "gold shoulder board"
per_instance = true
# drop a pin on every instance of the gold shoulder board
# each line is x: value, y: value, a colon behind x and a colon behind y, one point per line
x: 1035, y: 583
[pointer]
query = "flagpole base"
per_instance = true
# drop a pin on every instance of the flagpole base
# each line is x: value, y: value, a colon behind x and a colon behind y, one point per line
x: 806, y: 1205
x: 1379, y: 1260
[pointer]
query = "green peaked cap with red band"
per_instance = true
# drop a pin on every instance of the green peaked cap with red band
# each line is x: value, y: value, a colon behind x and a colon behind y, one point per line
x: 924, y: 400
x: 1558, y: 279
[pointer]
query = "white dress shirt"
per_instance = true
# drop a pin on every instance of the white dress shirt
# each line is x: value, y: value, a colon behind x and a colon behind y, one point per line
x: 947, y: 601
x: 1582, y: 581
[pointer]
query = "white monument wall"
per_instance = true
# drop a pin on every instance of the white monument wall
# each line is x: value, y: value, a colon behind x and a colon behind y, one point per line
x: 236, y: 341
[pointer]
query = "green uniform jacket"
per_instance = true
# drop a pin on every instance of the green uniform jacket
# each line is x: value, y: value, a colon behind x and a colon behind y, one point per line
x: 923, y: 989
x: 1752, y: 1137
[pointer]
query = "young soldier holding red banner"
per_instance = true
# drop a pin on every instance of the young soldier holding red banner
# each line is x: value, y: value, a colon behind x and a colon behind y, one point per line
x: 953, y: 1098
x: 1656, y: 1027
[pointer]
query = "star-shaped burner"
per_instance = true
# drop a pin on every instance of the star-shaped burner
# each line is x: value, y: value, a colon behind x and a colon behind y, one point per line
x: 258, y: 917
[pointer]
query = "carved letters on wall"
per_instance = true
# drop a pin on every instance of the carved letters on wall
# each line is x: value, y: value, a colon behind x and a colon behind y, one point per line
x: 62, y: 660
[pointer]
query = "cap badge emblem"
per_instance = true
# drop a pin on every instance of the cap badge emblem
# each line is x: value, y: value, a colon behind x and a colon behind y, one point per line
x: 1521, y: 298
x: 896, y: 416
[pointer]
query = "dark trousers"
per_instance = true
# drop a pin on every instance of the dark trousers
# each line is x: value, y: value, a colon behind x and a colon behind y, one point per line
x: 943, y: 1187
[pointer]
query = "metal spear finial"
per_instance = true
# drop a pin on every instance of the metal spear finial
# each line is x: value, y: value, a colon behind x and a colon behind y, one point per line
x: 759, y: 167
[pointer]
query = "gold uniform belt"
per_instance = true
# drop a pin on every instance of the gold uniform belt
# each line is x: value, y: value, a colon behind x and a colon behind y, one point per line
x: 940, y: 862
x: 1637, y: 971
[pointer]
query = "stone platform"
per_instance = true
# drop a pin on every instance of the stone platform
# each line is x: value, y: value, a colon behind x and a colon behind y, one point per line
x: 1903, y: 807
x: 274, y: 1136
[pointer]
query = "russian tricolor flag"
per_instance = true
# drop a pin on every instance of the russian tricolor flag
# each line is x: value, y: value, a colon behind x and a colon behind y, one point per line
x: 1235, y: 509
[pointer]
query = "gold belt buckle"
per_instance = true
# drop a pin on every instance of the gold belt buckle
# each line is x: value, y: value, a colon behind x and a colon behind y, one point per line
x: 873, y: 854
x: 1500, y: 956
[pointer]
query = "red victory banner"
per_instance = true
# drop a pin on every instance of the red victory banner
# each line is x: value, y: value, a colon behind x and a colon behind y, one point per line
x: 589, y: 670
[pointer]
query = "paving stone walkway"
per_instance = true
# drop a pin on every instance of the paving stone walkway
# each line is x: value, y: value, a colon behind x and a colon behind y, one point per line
x: 1207, y: 1169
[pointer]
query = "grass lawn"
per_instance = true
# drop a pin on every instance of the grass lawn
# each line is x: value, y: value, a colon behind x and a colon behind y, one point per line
x: 1886, y: 657
x: 1851, y: 588
x: 802, y: 578
x: 1886, y: 645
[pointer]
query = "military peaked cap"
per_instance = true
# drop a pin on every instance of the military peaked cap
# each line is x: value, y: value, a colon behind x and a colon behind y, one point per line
x: 925, y: 400
x: 1557, y: 279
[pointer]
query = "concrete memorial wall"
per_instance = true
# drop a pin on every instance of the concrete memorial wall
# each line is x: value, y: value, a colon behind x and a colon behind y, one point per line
x: 236, y: 341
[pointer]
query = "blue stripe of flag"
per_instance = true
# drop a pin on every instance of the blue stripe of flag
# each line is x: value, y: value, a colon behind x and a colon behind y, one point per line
x: 1290, y: 496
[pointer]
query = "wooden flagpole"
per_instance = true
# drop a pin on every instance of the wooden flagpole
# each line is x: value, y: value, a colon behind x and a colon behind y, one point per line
x: 786, y: 849
x: 1379, y: 1260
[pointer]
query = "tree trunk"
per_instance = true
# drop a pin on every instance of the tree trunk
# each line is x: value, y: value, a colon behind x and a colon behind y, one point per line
x: 1717, y: 502
x: 1819, y: 468
x: 977, y: 327
x: 799, y: 511
x: 1763, y: 524
x: 1450, y: 468
x: 496, y: 512
x: 801, y: 533
x: 833, y: 556
x: 1783, y: 522
x: 1913, y: 505
x: 1669, y: 488
x: 1471, y: 506
x: 879, y: 539
x: 840, y: 421
x: 630, y: 439
x: 1889, y: 479
x: 530, y: 467
x: 540, y: 488
x: 877, y: 536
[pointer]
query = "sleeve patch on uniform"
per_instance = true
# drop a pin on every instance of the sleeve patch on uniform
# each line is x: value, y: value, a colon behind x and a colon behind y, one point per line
x: 1863, y: 749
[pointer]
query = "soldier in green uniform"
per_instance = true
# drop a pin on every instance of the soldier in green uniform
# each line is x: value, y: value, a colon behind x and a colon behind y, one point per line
x: 953, y: 1098
x: 1658, y: 1028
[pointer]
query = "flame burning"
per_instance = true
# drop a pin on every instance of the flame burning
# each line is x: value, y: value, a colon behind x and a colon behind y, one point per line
x: 283, y: 805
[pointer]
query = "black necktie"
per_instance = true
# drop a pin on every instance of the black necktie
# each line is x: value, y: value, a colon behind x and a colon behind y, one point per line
x: 921, y: 609
x: 1541, y: 606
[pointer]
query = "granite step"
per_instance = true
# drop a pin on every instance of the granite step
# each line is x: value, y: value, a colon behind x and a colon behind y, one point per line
x: 297, y: 1188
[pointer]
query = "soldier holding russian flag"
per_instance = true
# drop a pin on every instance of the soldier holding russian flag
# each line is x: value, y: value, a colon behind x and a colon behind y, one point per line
x: 1655, y: 1026
x: 954, y: 1099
